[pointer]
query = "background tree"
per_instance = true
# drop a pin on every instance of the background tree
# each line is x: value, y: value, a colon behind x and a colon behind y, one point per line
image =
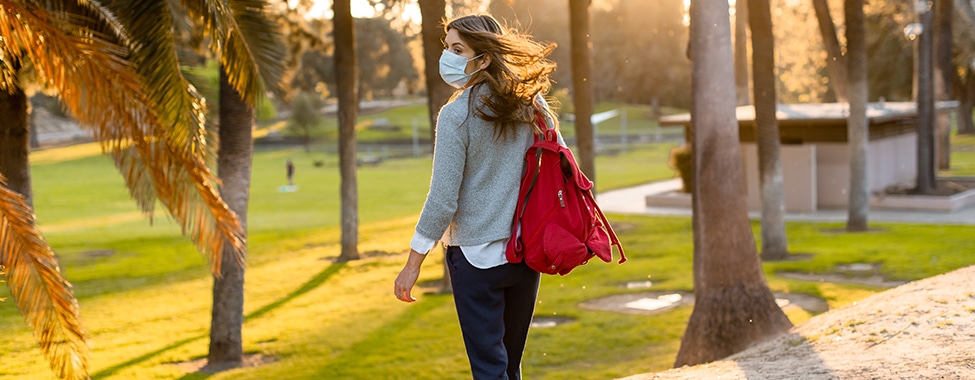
x: 926, y: 174
x: 741, y: 53
x: 856, y: 125
x: 253, y: 48
x: 438, y: 92
x: 15, y: 135
x: 890, y: 56
x: 835, y: 60
x: 306, y: 114
x: 637, y: 64
x: 250, y: 54
x: 381, y: 51
x: 347, y: 75
x: 964, y: 59
x: 733, y: 306
x: 944, y: 74
x: 432, y: 35
x: 774, y: 241
x: 151, y: 125
x: 582, y: 95
x: 234, y: 168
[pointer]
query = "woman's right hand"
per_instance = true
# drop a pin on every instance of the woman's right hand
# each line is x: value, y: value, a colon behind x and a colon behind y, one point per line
x: 403, y: 286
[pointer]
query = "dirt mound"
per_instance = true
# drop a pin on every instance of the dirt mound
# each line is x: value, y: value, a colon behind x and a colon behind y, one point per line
x: 920, y: 330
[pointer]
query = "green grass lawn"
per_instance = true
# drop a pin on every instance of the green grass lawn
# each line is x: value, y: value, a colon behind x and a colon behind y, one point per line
x: 145, y: 292
x: 962, y: 157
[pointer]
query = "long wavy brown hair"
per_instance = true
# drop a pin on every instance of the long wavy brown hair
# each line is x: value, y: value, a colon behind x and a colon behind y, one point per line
x: 519, y: 70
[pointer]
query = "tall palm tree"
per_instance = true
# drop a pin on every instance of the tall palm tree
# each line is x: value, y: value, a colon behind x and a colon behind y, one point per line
x: 14, y: 137
x: 432, y: 34
x: 78, y: 50
x: 733, y: 306
x: 774, y: 242
x: 857, y: 128
x: 926, y: 175
x: 967, y: 102
x: 582, y: 95
x: 234, y: 161
x: 347, y: 78
x: 250, y: 53
x: 131, y: 95
x: 741, y: 53
x: 260, y: 52
x: 944, y: 75
x: 438, y: 92
x: 835, y: 60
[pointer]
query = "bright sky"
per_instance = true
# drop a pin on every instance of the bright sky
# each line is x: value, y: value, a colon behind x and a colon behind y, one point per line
x: 360, y: 9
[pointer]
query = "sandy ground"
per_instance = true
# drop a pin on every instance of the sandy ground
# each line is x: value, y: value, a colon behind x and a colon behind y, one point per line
x: 920, y: 330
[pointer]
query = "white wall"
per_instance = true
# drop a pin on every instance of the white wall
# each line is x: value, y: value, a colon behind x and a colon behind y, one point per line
x: 817, y: 176
x: 798, y: 176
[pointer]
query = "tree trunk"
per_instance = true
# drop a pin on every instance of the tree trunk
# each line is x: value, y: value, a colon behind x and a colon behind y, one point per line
x: 234, y: 158
x: 733, y: 305
x: 15, y: 141
x: 943, y: 77
x: 926, y: 176
x: 32, y: 119
x: 346, y: 78
x: 582, y: 95
x: 432, y: 12
x: 774, y: 242
x: 835, y: 61
x: 741, y: 53
x: 967, y: 104
x: 857, y: 128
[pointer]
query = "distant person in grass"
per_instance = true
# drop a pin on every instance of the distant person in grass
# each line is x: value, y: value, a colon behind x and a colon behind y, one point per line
x: 481, y: 138
x: 290, y: 168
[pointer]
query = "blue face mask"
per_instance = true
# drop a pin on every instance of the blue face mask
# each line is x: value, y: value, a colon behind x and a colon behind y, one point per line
x: 452, y: 68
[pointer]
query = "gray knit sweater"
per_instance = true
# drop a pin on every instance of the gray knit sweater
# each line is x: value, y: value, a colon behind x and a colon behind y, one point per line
x: 474, y: 186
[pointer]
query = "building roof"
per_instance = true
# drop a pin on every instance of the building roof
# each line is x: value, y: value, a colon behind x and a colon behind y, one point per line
x: 821, y: 113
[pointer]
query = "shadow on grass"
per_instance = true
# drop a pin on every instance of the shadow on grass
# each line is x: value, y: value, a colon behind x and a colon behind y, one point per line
x: 308, y: 286
x: 313, y: 283
x: 112, y: 370
x: 377, y: 342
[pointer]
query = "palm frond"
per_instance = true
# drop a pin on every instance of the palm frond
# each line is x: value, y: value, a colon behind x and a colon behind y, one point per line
x: 180, y: 107
x: 42, y: 293
x: 102, y: 90
x: 248, y: 40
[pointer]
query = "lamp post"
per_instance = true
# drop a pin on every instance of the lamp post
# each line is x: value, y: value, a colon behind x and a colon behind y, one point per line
x: 920, y: 32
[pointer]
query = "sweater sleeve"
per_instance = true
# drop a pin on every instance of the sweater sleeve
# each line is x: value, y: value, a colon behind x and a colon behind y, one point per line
x: 449, y: 159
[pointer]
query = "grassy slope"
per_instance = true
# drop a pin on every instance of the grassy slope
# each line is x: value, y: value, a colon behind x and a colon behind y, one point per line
x: 147, y: 305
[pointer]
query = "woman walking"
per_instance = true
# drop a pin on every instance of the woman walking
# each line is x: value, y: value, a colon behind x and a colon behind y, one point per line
x: 481, y: 138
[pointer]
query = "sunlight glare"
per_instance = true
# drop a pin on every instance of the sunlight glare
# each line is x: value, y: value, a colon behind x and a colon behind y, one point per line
x: 323, y: 9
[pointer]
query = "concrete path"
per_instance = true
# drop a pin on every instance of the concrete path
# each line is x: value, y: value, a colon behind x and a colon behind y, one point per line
x: 632, y: 200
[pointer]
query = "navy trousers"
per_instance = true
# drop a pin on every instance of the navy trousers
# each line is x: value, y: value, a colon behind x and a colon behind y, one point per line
x: 495, y: 308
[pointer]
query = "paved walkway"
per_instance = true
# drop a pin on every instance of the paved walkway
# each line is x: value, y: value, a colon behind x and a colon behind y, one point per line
x: 632, y: 200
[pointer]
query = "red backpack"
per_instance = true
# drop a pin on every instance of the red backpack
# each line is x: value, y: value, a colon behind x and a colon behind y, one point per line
x: 561, y: 225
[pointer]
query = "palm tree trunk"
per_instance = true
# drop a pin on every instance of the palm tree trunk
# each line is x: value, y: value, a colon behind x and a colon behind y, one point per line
x: 835, y: 60
x: 733, y: 305
x: 943, y: 77
x: 432, y: 12
x: 966, y: 104
x: 582, y: 95
x: 15, y: 141
x: 741, y: 53
x: 346, y: 78
x: 926, y: 176
x: 857, y: 128
x: 774, y: 242
x: 234, y: 159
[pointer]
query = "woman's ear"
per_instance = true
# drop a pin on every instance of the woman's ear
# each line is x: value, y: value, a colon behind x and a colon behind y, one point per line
x: 485, y: 62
